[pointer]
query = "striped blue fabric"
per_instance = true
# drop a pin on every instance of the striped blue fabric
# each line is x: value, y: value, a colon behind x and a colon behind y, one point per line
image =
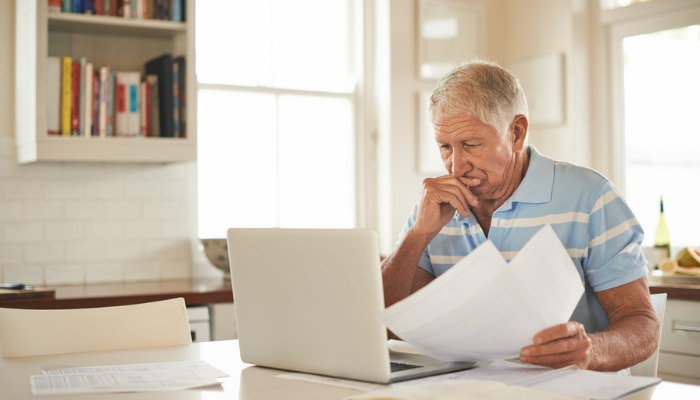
x: 590, y: 216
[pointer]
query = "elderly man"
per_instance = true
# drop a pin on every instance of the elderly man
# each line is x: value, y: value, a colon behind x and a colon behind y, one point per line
x: 500, y: 188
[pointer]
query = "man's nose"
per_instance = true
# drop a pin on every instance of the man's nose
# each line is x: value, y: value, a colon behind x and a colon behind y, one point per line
x: 460, y: 163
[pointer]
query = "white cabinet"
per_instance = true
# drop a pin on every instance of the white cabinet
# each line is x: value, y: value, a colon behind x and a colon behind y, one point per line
x: 125, y: 45
x: 679, y: 351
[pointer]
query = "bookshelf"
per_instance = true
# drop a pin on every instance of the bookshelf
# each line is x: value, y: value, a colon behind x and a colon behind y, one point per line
x: 125, y: 45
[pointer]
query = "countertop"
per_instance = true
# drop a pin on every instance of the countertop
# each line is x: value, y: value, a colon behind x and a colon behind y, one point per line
x: 206, y: 291
x: 195, y: 292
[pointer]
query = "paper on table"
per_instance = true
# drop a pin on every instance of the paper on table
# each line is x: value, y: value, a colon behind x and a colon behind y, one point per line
x: 126, y: 378
x: 459, y: 390
x: 484, y: 308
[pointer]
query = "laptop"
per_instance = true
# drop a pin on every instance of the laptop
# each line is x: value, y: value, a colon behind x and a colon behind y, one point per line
x: 306, y: 301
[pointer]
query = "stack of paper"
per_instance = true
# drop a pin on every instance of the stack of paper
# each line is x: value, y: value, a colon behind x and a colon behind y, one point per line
x: 484, y: 308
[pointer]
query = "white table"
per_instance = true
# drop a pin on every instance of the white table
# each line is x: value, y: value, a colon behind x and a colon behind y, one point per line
x: 246, y: 383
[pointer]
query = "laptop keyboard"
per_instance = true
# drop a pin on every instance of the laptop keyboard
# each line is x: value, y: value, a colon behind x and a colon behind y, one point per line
x: 396, y: 367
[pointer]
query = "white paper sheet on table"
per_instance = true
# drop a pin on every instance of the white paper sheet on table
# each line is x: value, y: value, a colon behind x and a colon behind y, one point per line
x: 126, y: 378
x: 484, y: 308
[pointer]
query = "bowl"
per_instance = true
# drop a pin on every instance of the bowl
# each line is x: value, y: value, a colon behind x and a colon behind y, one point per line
x: 217, y: 253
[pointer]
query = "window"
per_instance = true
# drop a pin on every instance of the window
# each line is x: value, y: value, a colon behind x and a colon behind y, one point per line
x: 276, y: 114
x: 661, y: 137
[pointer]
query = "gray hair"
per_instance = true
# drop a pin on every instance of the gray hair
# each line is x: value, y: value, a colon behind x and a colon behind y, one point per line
x: 480, y: 89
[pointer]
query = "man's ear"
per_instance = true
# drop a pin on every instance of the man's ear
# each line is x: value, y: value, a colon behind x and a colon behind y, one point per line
x: 519, y: 129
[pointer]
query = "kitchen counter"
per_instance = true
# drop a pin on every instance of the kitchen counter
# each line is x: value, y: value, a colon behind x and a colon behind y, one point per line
x: 675, y: 291
x: 195, y: 292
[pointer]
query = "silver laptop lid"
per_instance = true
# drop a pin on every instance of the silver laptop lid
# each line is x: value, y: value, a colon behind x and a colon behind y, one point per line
x: 305, y: 300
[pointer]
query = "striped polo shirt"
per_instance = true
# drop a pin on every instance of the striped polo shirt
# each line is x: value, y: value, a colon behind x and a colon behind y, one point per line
x: 588, y: 214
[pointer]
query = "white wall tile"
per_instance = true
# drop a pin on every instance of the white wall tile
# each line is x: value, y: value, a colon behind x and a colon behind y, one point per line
x: 85, y: 209
x: 176, y: 229
x: 7, y: 147
x: 38, y: 252
x: 105, y: 189
x: 170, y: 249
x: 165, y: 209
x: 143, y: 229
x: 141, y: 271
x: 64, y: 189
x: 65, y: 274
x: 123, y: 209
x: 124, y: 251
x: 27, y: 274
x: 11, y: 253
x: 65, y: 231
x: 83, y: 170
x: 173, y: 170
x: 42, y: 210
x: 105, y: 272
x: 15, y: 232
x: 179, y: 269
x: 144, y: 189
x: 9, y: 168
x: 42, y: 170
x: 10, y: 210
x: 105, y: 230
x: 175, y: 189
x: 125, y: 171
x: 22, y: 189
x: 85, y: 251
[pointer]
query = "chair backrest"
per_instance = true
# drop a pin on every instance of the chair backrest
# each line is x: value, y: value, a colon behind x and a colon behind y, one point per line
x: 40, y: 332
x: 649, y: 366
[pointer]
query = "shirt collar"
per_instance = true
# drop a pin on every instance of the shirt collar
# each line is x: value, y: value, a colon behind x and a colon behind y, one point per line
x: 536, y: 186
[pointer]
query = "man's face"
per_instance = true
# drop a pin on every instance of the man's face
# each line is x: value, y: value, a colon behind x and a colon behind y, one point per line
x: 472, y: 149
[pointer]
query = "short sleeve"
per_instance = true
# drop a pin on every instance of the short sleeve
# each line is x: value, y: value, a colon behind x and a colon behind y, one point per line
x: 424, y: 261
x: 614, y: 237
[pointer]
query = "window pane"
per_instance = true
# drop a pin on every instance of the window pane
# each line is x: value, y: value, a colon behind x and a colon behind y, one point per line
x: 236, y: 161
x: 234, y: 39
x: 317, y: 169
x: 610, y: 4
x: 311, y: 45
x: 661, y: 132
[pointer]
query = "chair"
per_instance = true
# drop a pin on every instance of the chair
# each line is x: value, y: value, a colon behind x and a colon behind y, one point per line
x: 42, y: 332
x: 650, y: 366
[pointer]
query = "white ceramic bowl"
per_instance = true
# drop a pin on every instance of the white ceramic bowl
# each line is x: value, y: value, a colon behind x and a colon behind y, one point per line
x: 217, y: 253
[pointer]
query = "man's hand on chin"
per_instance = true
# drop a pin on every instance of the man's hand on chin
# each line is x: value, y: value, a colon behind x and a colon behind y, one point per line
x: 560, y: 346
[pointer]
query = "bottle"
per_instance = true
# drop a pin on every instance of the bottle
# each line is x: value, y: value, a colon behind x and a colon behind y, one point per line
x: 662, y: 240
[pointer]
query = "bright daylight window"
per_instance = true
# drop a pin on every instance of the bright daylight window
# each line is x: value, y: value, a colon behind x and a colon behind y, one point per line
x: 276, y: 114
x: 661, y: 84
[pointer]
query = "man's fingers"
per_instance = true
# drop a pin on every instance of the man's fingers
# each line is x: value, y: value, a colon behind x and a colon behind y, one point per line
x: 571, y: 344
x: 568, y: 329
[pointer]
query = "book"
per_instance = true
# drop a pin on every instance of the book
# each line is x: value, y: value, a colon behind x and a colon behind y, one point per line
x: 66, y: 99
x: 121, y: 118
x: 162, y: 10
x: 152, y: 81
x: 99, y: 7
x: 176, y: 11
x: 75, y: 99
x: 96, y: 104
x: 182, y: 90
x: 176, y: 99
x: 134, y: 81
x: 126, y: 8
x: 83, y: 63
x: 88, y: 6
x: 67, y: 6
x: 87, y: 124
x: 163, y: 67
x: 104, y: 90
x: 110, y: 105
x: 53, y: 96
x: 55, y: 6
x: 144, y: 108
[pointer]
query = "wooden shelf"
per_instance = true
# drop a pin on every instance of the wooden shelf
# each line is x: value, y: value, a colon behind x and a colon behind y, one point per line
x: 109, y: 149
x: 106, y: 25
x: 124, y: 44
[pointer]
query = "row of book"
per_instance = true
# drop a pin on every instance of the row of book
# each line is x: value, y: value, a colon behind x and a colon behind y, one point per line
x: 173, y: 10
x: 89, y: 101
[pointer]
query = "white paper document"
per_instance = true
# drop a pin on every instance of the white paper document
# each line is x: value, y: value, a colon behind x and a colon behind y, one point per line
x: 126, y: 378
x: 484, y: 308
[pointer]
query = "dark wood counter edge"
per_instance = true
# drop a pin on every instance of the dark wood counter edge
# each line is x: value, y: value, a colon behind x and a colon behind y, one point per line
x: 676, y: 291
x: 219, y: 292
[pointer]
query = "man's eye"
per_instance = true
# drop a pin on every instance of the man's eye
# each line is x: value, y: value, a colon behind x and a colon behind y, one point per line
x: 445, y: 146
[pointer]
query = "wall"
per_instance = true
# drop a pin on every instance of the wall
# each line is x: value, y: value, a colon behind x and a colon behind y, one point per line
x: 73, y: 223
